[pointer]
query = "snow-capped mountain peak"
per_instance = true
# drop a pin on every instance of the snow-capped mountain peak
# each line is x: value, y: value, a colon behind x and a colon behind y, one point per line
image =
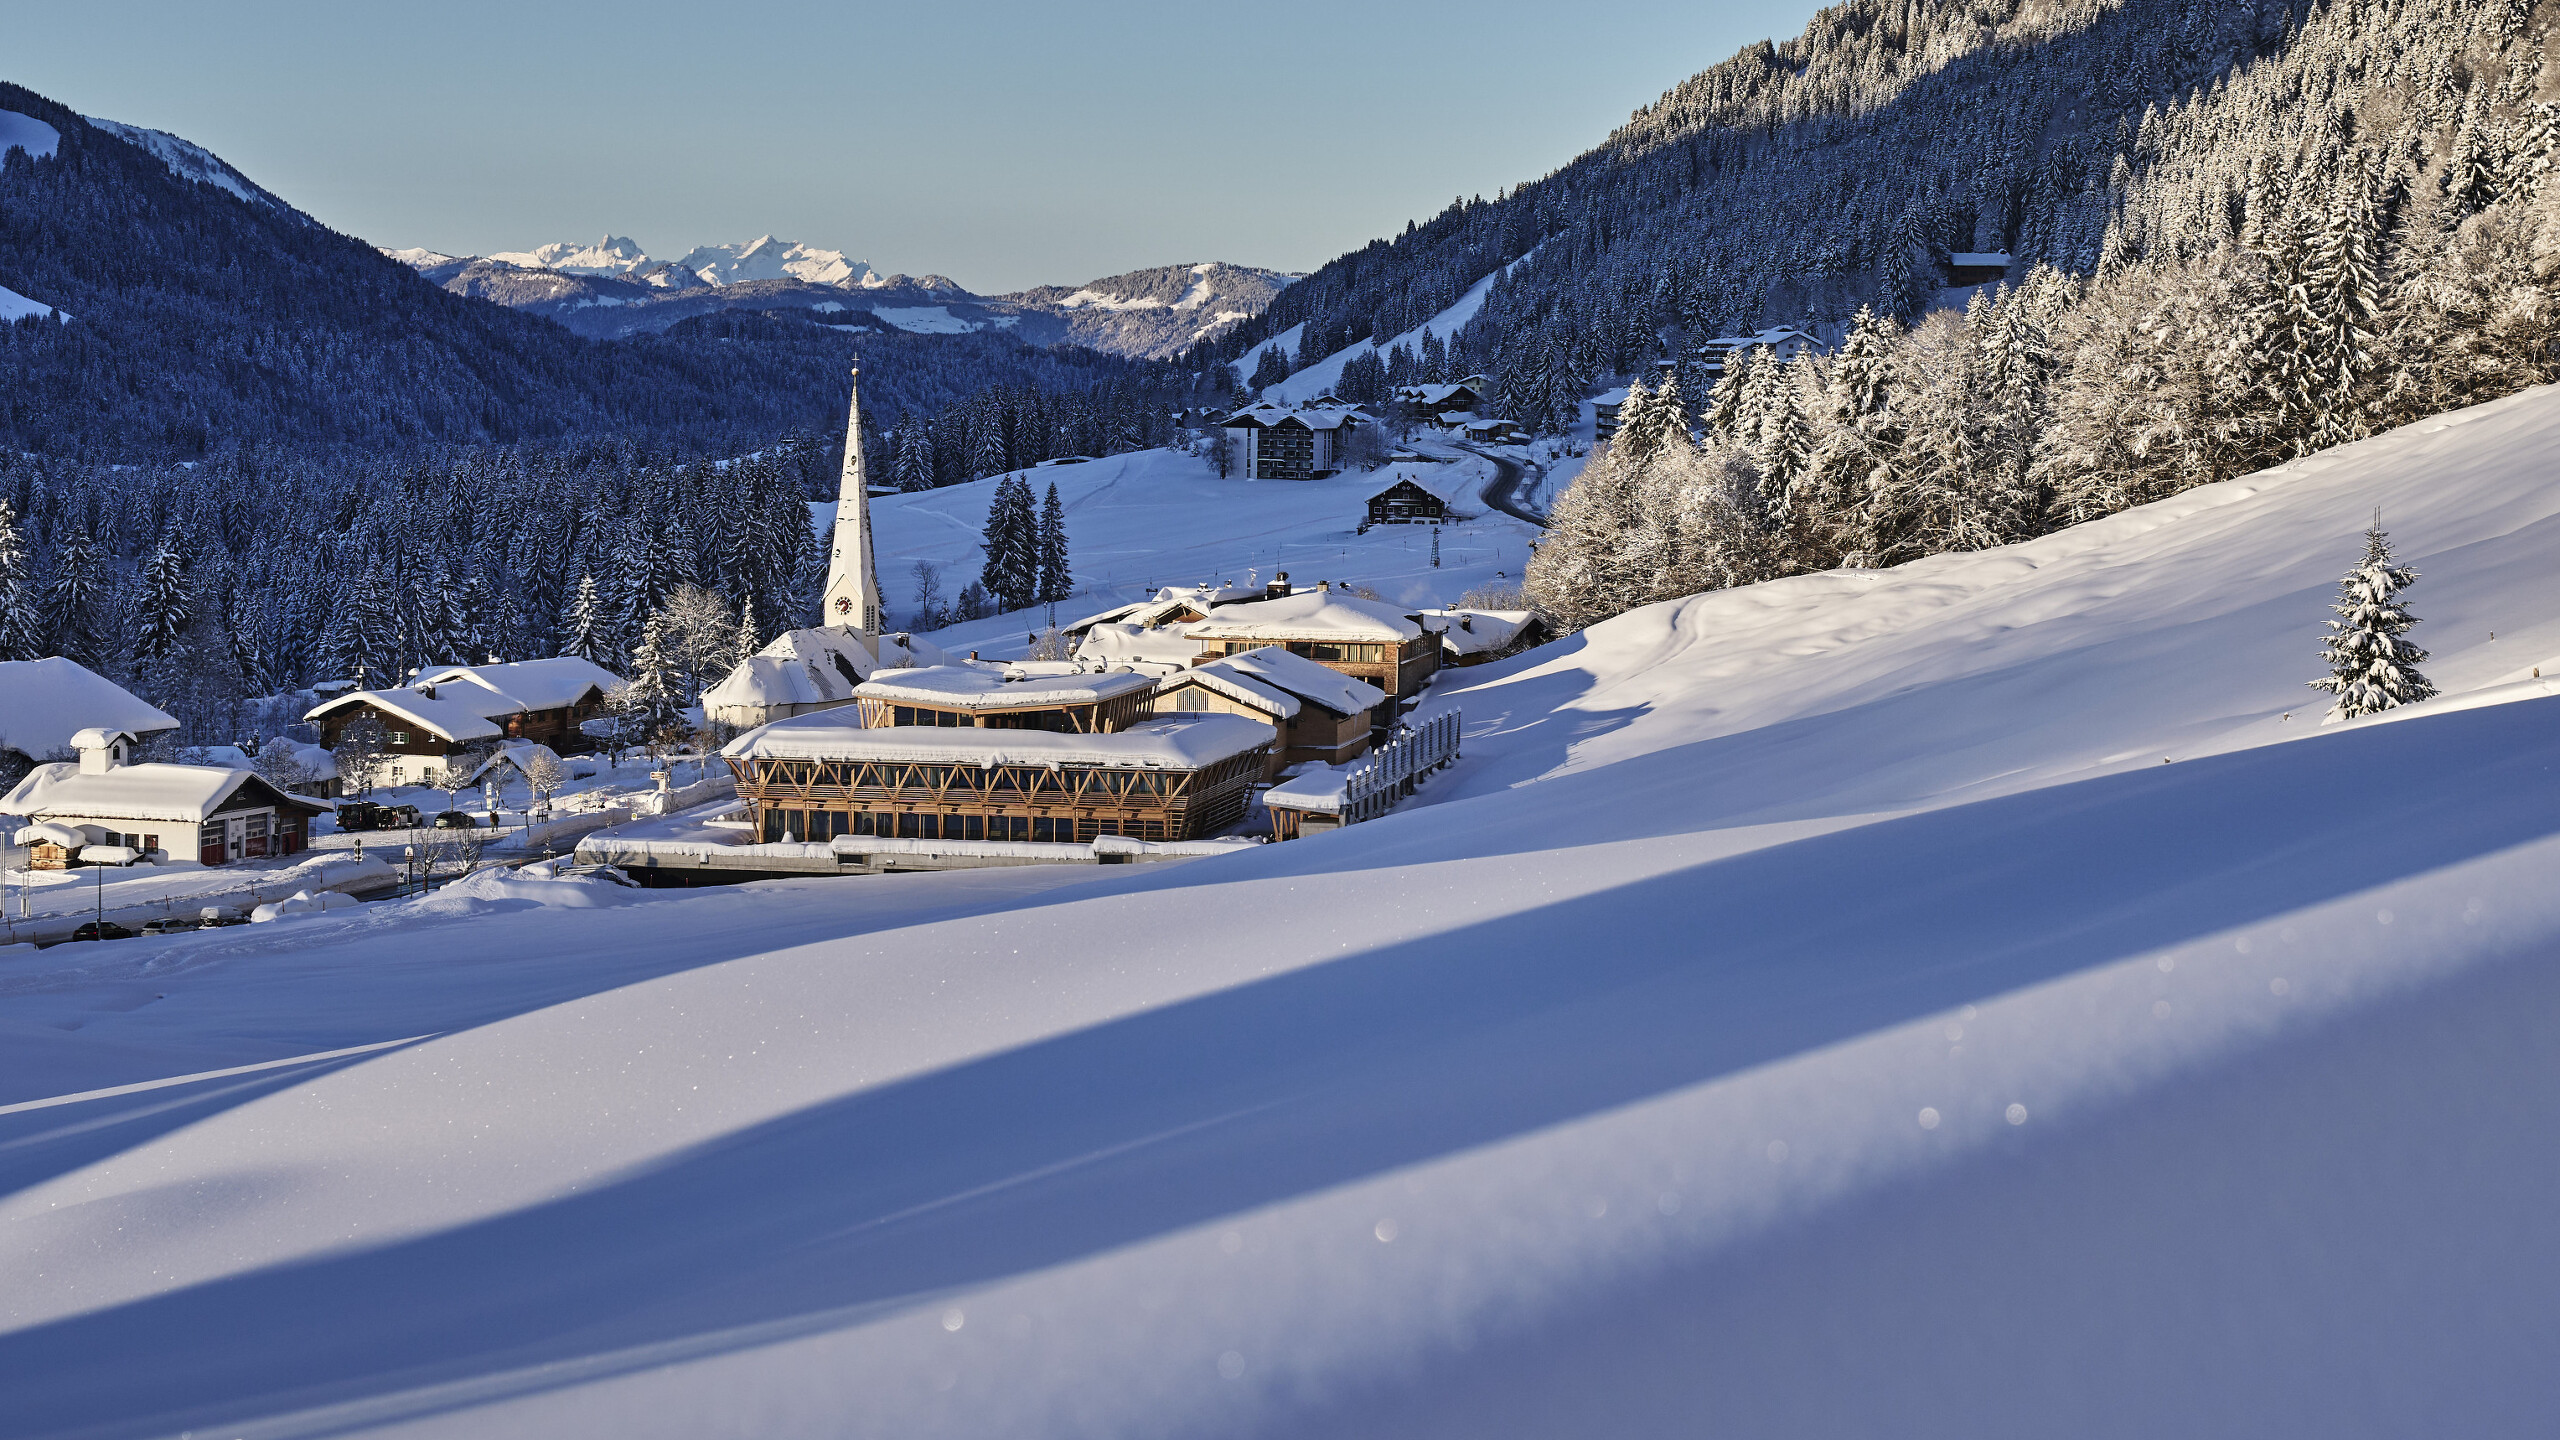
x: 769, y: 258
x: 420, y: 258
x: 610, y: 255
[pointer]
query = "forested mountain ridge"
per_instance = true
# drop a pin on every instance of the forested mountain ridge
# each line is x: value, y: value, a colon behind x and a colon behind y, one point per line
x: 2240, y: 233
x: 1156, y: 313
x: 1802, y: 179
x: 206, y: 321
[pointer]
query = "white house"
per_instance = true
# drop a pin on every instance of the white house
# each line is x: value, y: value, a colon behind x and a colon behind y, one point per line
x: 213, y: 814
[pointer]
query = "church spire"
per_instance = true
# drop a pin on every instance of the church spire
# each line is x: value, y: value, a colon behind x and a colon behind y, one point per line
x: 853, y: 578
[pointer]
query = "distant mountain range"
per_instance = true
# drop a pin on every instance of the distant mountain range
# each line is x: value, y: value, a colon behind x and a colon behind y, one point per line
x: 161, y: 304
x: 612, y: 288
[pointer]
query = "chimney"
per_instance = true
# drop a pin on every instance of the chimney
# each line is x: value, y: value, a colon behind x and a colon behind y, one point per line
x: 1325, y: 586
x: 101, y: 750
x: 1278, y: 587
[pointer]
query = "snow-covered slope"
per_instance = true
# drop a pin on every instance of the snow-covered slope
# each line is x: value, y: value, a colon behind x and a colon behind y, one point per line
x: 14, y: 306
x: 1319, y: 377
x: 189, y: 161
x: 1809, y: 1010
x: 1156, y: 313
x: 1151, y: 518
x: 26, y: 132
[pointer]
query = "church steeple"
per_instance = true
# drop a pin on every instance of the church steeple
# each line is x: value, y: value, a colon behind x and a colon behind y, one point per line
x: 853, y: 577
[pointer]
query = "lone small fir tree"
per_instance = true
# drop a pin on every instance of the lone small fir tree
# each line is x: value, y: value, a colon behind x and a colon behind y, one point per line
x: 2371, y: 668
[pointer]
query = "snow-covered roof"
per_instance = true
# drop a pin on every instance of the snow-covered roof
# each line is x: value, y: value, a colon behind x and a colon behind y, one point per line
x: 1113, y: 644
x: 490, y: 691
x: 518, y: 754
x: 43, y: 703
x: 45, y: 832
x: 814, y: 666
x: 1477, y: 632
x: 1296, y: 674
x: 1782, y: 335
x: 1313, y: 417
x: 1308, y: 615
x: 972, y: 687
x: 1473, y: 387
x: 1170, y: 601
x: 1319, y: 787
x: 1186, y: 742
x: 1237, y: 687
x: 1443, y: 485
x: 176, y: 793
x: 448, y: 718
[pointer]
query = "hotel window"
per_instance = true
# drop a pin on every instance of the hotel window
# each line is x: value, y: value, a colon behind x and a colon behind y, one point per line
x: 1192, y: 697
x: 395, y: 737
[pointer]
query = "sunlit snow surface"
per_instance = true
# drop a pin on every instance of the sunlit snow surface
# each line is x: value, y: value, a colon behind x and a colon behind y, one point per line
x: 1955, y: 1001
x: 1152, y: 518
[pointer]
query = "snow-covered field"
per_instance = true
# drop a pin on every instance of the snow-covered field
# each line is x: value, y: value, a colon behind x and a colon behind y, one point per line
x: 1152, y: 518
x: 1976, y: 999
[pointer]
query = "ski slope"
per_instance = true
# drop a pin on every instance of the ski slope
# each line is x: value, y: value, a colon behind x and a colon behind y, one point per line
x: 1321, y: 376
x: 1975, y: 999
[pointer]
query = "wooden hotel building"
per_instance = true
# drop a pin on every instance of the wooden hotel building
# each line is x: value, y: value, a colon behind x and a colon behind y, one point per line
x: 961, y: 752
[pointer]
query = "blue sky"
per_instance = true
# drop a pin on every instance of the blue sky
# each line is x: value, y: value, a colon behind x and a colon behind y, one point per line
x: 998, y: 142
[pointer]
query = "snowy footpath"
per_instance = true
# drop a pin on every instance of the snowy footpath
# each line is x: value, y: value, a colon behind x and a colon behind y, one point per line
x: 1978, y: 999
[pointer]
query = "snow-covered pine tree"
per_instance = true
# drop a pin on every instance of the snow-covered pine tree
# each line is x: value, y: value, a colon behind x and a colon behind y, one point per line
x: 1861, y: 443
x: 162, y: 613
x: 582, y: 628
x: 75, y: 599
x: 1012, y: 546
x: 1639, y: 428
x: 2344, y: 279
x: 649, y: 702
x: 21, y: 632
x: 2371, y: 667
x: 441, y: 631
x: 1785, y: 442
x: 915, y: 458
x: 1056, y: 578
x: 1270, y: 368
x: 748, y: 641
x: 986, y: 441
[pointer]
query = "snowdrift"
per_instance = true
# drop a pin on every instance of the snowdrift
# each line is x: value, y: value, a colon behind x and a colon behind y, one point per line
x: 1976, y: 999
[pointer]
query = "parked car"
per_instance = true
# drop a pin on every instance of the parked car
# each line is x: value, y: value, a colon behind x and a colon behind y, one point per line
x: 455, y: 820
x: 168, y: 925
x: 398, y: 817
x: 102, y: 930
x: 360, y: 815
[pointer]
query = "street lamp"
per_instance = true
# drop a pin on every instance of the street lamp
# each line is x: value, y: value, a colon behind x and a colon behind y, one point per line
x: 408, y: 862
